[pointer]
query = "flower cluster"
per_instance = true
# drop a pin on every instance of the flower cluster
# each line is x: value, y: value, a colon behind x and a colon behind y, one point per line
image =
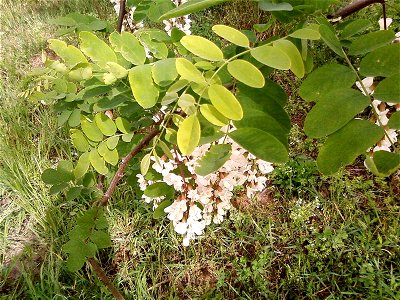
x: 382, y: 109
x: 128, y: 21
x: 182, y: 23
x: 203, y: 200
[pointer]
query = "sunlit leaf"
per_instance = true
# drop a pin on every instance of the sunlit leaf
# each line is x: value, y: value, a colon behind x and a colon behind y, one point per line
x: 225, y: 102
x: 188, y: 135
x: 246, y: 72
x: 96, y: 49
x: 128, y: 45
x: 296, y: 61
x: 140, y: 77
x: 188, y: 71
x: 202, y: 47
x: 272, y: 57
x: 232, y: 35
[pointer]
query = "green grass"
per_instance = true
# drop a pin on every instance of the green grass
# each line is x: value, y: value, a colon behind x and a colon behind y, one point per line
x: 306, y: 237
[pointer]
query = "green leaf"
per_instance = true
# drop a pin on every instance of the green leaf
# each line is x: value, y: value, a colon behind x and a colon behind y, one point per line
x: 116, y: 69
x: 55, y: 189
x: 112, y: 142
x: 246, y: 72
x: 188, y: 135
x: 159, y: 211
x: 232, y: 35
x: 128, y: 45
x: 388, y: 89
x: 158, y: 189
x: 384, y: 163
x: 82, y: 165
x: 306, y: 33
x: 123, y: 125
x: 356, y: 26
x: 71, y: 55
x: 225, y: 102
x: 111, y: 156
x: 394, y: 121
x: 187, y: 103
x: 188, y: 71
x: 80, y: 74
x: 91, y: 130
x: 371, y: 41
x: 260, y: 143
x: 320, y: 82
x: 272, y: 6
x: 202, y: 47
x: 334, y: 110
x: 212, y: 115
x: 178, y: 85
x: 79, y: 140
x: 73, y: 193
x: 254, y: 118
x: 342, y: 147
x: 272, y: 57
x: 105, y: 124
x: 75, y: 262
x: 140, y: 77
x: 381, y: 62
x: 296, y: 61
x: 101, y: 239
x: 145, y: 164
x: 331, y: 39
x: 190, y: 7
x: 214, y: 159
x: 98, y: 162
x: 164, y: 72
x: 50, y: 176
x: 96, y: 49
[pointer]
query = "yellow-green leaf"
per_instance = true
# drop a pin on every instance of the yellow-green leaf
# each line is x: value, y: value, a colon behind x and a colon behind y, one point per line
x: 143, y: 88
x: 247, y: 73
x: 225, y: 102
x: 70, y: 54
x: 145, y: 164
x: 213, y: 115
x: 117, y: 70
x: 272, y: 57
x: 91, y: 130
x: 189, y: 135
x: 128, y: 45
x: 96, y: 49
x: 79, y: 140
x: 188, y: 71
x: 82, y: 166
x: 98, y: 162
x: 105, y: 124
x: 202, y: 47
x: 297, y: 64
x: 232, y: 35
x: 306, y: 33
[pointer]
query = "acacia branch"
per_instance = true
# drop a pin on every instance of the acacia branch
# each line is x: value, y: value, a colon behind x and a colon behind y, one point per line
x: 121, y: 169
x: 121, y: 15
x: 354, y: 7
x: 103, y: 277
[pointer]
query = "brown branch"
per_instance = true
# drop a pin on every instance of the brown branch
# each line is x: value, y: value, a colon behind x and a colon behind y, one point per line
x: 121, y: 15
x: 121, y: 169
x: 103, y: 277
x: 354, y: 7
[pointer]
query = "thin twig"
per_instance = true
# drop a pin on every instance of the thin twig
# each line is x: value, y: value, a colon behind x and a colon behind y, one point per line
x: 354, y: 7
x: 121, y: 15
x: 121, y: 169
x: 103, y: 277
